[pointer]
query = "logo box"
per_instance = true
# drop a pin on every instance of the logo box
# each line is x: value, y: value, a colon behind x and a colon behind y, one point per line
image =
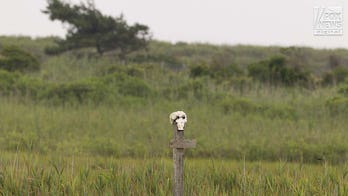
x: 328, y: 21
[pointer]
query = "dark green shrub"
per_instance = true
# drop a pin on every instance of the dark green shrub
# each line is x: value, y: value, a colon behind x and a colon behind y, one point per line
x: 13, y: 58
x: 336, y: 76
x: 293, y: 76
x: 30, y: 87
x: 275, y: 71
x: 114, y: 79
x: 328, y: 78
x: 277, y: 62
x: 198, y: 71
x: 53, y: 50
x: 218, y: 72
x: 259, y: 71
x: 127, y: 85
x: 227, y: 72
x: 135, y: 72
x: 340, y: 74
x: 17, y: 84
x: 134, y: 87
x: 339, y: 104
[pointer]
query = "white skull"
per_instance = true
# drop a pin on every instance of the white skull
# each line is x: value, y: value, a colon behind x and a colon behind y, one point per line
x: 179, y: 118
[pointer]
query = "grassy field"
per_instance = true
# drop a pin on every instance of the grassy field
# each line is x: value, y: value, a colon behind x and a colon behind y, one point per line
x: 88, y: 125
x: 291, y: 126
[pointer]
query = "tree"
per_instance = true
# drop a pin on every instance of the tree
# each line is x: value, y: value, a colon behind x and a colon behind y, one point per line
x: 88, y: 27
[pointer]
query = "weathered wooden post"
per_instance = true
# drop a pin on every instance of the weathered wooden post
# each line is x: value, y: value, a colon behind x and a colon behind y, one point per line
x: 178, y: 143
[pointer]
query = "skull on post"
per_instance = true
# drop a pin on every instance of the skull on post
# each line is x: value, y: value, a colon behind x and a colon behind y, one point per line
x: 179, y: 118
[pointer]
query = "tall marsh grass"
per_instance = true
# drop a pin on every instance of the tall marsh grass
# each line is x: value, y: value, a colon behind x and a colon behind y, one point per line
x: 33, y: 174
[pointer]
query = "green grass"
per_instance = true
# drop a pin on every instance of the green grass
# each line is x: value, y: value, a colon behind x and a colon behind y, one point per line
x: 33, y: 174
x: 271, y: 127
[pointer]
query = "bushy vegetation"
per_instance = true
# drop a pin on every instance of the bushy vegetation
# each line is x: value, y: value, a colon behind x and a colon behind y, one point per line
x: 93, y: 90
x: 275, y: 71
x: 335, y: 76
x: 271, y: 92
x: 13, y: 59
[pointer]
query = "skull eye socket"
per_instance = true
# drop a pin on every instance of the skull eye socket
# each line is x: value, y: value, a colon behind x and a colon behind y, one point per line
x: 180, y: 117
